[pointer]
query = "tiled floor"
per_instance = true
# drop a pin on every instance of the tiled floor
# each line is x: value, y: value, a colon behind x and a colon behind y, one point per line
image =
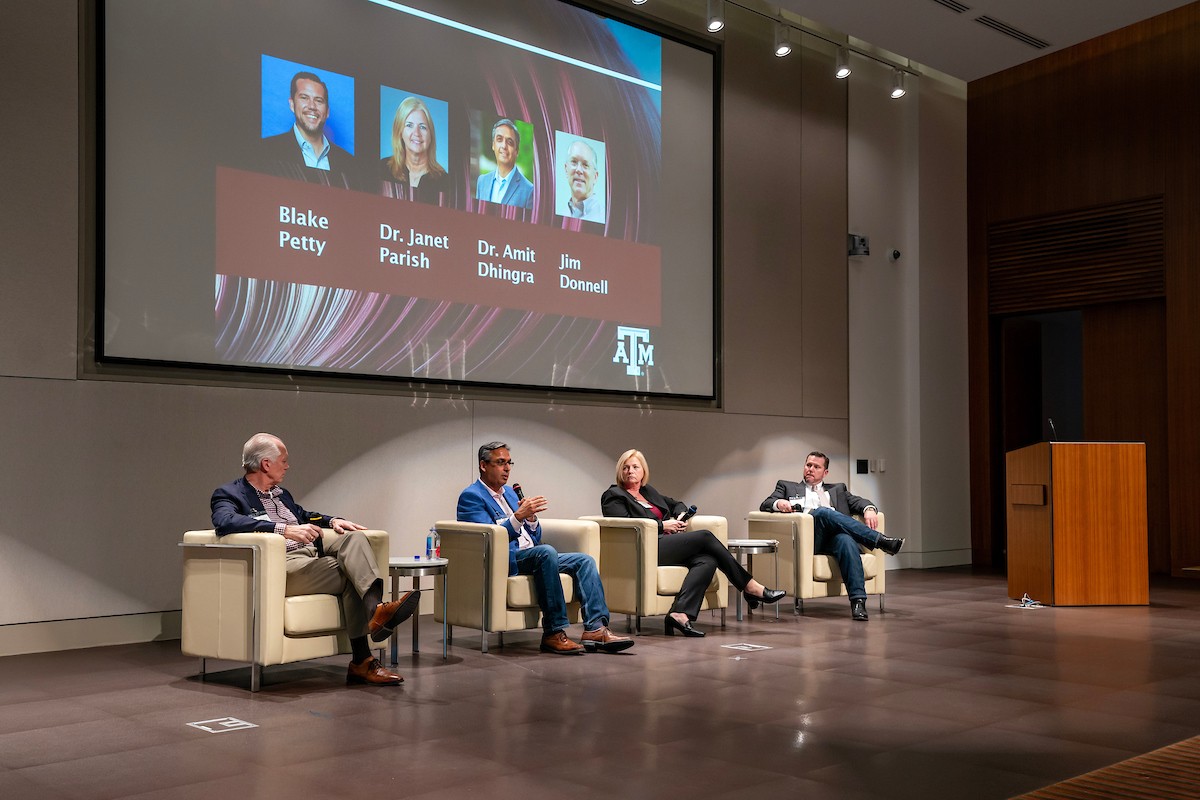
x: 947, y: 695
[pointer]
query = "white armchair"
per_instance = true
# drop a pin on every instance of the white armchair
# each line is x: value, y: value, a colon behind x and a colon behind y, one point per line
x: 634, y: 583
x: 803, y: 573
x: 235, y: 609
x: 482, y: 596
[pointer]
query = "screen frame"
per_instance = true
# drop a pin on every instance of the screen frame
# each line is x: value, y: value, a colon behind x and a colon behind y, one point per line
x: 95, y: 363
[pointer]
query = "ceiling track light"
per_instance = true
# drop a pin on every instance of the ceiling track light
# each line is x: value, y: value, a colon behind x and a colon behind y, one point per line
x: 898, y: 90
x: 843, y: 64
x: 716, y: 15
x: 783, y: 40
x: 639, y: 2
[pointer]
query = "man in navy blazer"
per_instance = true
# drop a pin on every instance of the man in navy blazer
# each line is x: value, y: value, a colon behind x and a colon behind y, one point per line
x: 506, y: 186
x: 837, y: 533
x: 256, y: 502
x: 491, y: 501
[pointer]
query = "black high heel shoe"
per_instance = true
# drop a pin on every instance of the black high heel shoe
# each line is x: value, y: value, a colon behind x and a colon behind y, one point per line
x: 670, y: 625
x: 769, y: 596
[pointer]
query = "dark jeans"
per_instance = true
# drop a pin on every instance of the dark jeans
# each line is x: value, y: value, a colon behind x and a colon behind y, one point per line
x: 544, y: 563
x: 839, y: 536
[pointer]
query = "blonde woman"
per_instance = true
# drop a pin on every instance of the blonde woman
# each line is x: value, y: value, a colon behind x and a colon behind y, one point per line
x: 699, y: 551
x: 412, y: 170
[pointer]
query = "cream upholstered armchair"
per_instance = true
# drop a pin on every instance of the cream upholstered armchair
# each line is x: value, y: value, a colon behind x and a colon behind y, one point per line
x: 481, y: 594
x: 634, y: 583
x: 234, y: 607
x: 803, y: 573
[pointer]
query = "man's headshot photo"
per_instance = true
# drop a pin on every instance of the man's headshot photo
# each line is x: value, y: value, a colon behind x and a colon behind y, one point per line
x: 579, y: 186
x: 307, y: 116
x: 508, y: 147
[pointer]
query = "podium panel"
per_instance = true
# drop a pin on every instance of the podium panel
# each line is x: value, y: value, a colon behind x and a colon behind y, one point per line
x: 1077, y: 523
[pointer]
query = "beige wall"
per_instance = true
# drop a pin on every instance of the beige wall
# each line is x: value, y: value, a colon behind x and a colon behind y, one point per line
x: 101, y: 476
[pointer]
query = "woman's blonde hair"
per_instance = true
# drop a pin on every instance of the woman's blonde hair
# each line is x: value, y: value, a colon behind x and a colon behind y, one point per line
x: 397, y: 165
x: 628, y: 454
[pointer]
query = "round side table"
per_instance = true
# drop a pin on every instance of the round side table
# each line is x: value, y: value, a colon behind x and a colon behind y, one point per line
x: 743, y: 548
x: 417, y: 568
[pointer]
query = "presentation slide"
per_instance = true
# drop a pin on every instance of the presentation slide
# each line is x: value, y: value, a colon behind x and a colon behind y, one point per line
x: 452, y: 191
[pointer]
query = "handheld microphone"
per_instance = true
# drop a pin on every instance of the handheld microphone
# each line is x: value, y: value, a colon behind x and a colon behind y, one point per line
x: 686, y: 515
x: 520, y: 492
x: 1053, y: 433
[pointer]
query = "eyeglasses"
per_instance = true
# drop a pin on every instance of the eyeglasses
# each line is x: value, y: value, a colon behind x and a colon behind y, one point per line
x: 503, y: 462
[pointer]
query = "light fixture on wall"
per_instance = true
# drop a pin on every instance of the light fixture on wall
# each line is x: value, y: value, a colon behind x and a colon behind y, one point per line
x: 639, y: 2
x: 842, y: 70
x: 783, y: 40
x: 716, y: 15
x: 897, y: 84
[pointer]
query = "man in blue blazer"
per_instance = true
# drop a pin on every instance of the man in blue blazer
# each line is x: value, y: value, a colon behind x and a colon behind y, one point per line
x: 256, y: 502
x: 836, y: 532
x: 491, y: 501
x: 506, y: 186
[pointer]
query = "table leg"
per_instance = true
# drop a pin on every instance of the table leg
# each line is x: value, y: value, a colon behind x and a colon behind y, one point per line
x: 738, y: 595
x: 776, y: 555
x: 416, y: 619
x: 395, y: 597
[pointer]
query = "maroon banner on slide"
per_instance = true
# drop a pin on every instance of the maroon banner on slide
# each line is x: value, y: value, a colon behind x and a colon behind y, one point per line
x: 285, y: 230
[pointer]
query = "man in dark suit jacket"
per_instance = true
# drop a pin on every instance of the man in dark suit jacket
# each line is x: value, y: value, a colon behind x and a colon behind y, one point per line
x: 304, y: 152
x: 256, y: 502
x: 491, y: 501
x: 838, y: 534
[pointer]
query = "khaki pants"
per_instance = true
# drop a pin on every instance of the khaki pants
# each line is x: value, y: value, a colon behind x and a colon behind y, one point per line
x: 348, y: 569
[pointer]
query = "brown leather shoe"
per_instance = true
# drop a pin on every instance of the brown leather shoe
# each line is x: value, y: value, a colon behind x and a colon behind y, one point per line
x: 558, y: 642
x: 605, y: 641
x: 370, y: 671
x: 388, y: 615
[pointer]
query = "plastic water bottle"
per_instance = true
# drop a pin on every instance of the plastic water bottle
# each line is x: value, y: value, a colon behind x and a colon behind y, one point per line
x: 433, y: 544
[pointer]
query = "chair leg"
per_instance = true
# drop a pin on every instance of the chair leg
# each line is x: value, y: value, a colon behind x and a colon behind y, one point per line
x: 255, y: 677
x: 449, y: 635
x: 629, y: 623
x: 201, y: 675
x: 483, y: 637
x: 502, y: 638
x: 880, y: 604
x: 722, y: 618
x: 799, y: 609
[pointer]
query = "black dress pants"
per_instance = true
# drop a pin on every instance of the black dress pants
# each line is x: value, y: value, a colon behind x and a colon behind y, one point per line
x: 703, y: 554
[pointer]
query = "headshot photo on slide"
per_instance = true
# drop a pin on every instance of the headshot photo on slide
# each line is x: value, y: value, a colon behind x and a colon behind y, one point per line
x: 505, y: 163
x: 414, y: 146
x: 580, y: 183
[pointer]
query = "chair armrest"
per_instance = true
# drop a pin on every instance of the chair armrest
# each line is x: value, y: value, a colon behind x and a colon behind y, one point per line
x: 380, y: 547
x: 573, y: 536
x: 794, y: 531
x: 218, y: 594
x: 628, y: 560
x: 719, y: 526
x: 477, y: 572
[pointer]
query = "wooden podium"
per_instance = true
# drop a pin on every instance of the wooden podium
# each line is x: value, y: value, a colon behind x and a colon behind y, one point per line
x: 1077, y: 523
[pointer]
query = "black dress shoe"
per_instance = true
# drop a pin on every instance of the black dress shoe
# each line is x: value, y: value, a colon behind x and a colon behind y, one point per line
x: 889, y: 545
x: 670, y: 625
x: 858, y: 610
x: 772, y: 595
x: 769, y: 596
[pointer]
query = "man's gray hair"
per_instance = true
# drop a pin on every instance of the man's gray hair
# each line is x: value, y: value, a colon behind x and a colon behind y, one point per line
x: 258, y: 447
x: 485, y: 451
